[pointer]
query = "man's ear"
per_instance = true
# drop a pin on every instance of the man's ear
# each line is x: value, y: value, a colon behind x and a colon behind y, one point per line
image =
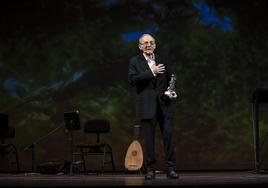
x: 140, y: 47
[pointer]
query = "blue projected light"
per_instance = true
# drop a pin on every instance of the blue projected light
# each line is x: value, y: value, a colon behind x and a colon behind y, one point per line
x: 65, y: 69
x: 111, y: 2
x: 134, y: 36
x: 13, y: 86
x: 157, y: 8
x: 76, y: 76
x: 210, y: 19
x: 55, y: 86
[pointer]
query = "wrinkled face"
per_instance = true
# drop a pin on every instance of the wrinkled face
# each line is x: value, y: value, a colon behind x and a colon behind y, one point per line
x: 147, y: 44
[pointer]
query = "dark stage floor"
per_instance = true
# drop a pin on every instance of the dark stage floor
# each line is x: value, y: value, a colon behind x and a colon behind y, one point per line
x: 187, y: 179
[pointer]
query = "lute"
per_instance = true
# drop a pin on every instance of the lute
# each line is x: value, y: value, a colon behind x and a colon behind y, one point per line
x: 134, y: 155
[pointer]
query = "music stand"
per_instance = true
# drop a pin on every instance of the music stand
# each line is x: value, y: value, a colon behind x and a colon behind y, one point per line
x: 72, y: 123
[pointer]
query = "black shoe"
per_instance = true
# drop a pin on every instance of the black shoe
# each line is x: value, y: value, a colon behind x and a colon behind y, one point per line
x: 172, y: 175
x: 150, y: 175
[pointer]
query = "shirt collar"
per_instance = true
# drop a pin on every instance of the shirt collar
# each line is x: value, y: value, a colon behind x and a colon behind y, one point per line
x: 148, y: 59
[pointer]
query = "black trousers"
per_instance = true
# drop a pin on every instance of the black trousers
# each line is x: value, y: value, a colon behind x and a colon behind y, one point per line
x: 166, y: 127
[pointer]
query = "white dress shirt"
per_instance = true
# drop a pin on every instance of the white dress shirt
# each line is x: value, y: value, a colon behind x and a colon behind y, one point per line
x: 151, y: 62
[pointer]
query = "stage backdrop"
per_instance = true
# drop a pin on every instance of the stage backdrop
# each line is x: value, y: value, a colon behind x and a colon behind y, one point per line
x: 60, y: 56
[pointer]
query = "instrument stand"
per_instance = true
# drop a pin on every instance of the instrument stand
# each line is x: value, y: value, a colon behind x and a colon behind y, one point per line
x: 138, y: 171
x: 69, y: 165
x: 71, y: 151
x: 72, y: 123
x: 32, y: 146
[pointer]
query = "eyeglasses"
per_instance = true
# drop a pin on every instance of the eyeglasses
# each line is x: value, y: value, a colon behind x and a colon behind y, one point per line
x: 148, y: 42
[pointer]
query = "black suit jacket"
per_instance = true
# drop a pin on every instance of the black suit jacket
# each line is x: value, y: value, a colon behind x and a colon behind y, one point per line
x: 150, y: 89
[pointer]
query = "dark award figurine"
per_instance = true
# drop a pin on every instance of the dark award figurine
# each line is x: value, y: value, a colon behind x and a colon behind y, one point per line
x: 171, y: 86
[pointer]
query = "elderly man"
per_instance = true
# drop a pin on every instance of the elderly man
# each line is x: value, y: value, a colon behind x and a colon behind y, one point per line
x: 150, y: 74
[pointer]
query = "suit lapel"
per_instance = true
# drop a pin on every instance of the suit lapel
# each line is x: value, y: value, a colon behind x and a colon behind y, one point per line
x: 157, y: 60
x: 143, y: 62
x: 145, y: 66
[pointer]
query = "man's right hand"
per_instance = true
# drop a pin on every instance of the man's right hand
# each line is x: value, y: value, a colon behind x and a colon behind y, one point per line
x: 158, y: 69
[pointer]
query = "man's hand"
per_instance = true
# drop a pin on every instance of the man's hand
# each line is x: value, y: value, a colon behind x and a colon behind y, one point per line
x: 172, y: 95
x: 158, y: 69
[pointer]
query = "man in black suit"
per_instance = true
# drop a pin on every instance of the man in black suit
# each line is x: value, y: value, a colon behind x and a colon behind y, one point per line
x: 151, y: 76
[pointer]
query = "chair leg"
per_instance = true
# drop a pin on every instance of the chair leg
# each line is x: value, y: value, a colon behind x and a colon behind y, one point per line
x: 17, y: 159
x: 83, y: 159
x: 103, y: 159
x: 112, y: 159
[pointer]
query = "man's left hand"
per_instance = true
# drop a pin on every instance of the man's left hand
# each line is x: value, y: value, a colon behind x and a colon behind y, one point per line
x: 172, y: 95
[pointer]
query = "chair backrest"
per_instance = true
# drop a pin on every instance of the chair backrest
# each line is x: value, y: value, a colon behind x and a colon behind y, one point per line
x: 3, y: 124
x: 5, y: 130
x: 97, y: 126
x: 9, y: 134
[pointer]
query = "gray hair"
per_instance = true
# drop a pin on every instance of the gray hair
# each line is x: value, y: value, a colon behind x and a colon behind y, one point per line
x: 145, y: 34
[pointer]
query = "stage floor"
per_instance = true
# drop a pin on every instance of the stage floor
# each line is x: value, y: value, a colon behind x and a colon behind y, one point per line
x: 189, y: 179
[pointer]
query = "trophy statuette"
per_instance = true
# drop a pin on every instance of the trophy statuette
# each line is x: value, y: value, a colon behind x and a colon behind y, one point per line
x: 171, y: 86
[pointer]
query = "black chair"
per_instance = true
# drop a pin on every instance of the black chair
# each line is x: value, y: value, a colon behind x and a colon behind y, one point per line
x: 97, y: 126
x: 7, y: 132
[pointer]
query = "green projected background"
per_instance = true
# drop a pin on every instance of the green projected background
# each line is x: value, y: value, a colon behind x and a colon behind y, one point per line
x: 58, y: 56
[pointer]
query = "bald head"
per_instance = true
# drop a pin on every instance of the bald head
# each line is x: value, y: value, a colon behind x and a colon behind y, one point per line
x: 147, y: 44
x: 145, y: 36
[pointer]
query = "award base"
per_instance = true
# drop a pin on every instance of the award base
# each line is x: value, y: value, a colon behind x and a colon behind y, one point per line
x: 167, y: 93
